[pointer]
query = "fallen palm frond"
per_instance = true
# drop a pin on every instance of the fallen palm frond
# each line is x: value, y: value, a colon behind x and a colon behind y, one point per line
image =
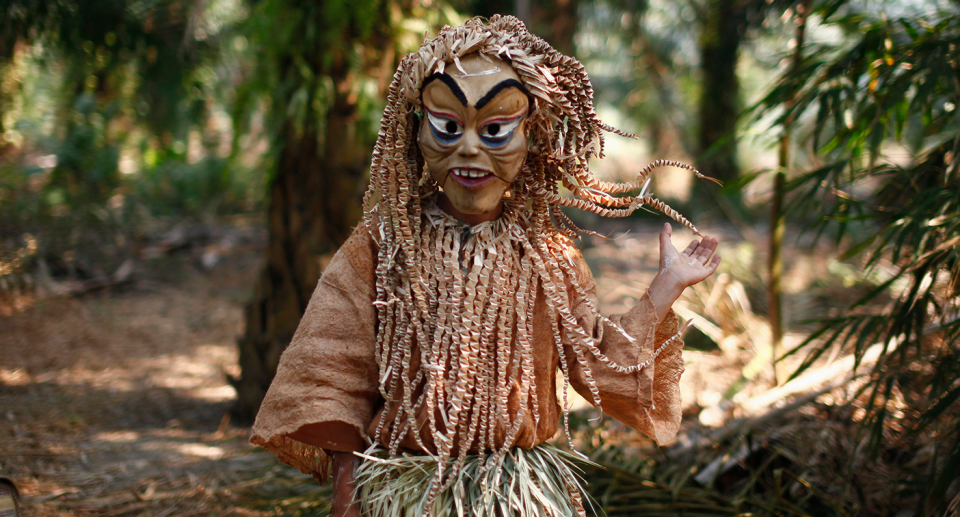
x: 780, y: 463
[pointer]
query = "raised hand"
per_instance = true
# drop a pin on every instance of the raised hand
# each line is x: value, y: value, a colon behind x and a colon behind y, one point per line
x: 679, y: 270
x: 692, y: 265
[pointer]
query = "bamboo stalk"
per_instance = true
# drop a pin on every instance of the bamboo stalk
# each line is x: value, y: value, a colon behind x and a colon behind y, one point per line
x: 777, y: 222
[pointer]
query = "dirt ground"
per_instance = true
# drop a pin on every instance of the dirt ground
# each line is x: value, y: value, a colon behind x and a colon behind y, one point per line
x: 115, y: 402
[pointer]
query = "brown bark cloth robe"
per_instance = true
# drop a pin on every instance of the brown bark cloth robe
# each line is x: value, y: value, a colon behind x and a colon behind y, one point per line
x: 326, y: 393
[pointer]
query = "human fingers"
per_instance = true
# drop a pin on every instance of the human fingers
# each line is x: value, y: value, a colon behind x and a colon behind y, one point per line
x: 706, y: 248
x: 710, y: 245
x: 712, y: 266
x: 665, y: 233
x: 696, y: 256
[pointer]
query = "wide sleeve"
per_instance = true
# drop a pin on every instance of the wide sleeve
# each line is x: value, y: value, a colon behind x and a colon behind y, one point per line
x: 647, y: 400
x: 326, y: 391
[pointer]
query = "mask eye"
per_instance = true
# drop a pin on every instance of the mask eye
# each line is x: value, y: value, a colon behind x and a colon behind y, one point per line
x: 444, y: 128
x: 496, y: 133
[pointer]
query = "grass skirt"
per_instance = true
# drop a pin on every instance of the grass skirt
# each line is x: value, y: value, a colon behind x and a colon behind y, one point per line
x: 543, y: 481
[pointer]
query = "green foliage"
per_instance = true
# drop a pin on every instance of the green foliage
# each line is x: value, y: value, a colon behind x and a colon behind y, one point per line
x: 298, y: 45
x: 895, y: 89
x: 180, y: 189
x: 655, y: 88
x: 304, y: 51
x: 112, y: 116
x: 87, y: 165
x: 103, y: 41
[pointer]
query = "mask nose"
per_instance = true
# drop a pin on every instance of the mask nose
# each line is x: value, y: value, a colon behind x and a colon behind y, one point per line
x: 469, y: 143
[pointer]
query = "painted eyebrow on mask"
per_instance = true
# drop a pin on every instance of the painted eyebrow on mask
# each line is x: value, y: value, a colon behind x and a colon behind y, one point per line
x: 447, y: 80
x: 462, y: 97
x: 499, y: 87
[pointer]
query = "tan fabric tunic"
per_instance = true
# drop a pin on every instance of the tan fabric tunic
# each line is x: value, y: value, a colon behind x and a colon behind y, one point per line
x: 326, y: 395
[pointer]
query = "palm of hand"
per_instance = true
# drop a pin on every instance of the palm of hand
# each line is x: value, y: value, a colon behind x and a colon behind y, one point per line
x: 692, y: 265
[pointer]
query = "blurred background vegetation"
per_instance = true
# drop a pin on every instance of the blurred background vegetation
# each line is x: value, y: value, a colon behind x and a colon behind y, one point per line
x: 123, y: 122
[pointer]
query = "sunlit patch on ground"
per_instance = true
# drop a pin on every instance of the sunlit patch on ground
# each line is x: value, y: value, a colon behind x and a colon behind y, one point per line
x: 11, y: 304
x: 117, y: 437
x: 13, y: 377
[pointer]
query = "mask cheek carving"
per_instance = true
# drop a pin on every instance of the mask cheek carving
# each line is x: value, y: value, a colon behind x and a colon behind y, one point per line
x: 431, y: 150
x: 509, y: 158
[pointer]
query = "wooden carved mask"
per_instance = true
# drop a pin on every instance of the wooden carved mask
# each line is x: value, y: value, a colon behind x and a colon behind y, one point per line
x: 473, y: 135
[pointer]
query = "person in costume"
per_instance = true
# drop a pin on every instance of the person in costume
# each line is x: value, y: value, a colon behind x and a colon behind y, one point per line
x: 433, y: 341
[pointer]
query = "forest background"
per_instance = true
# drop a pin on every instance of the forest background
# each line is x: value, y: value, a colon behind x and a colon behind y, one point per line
x: 174, y: 174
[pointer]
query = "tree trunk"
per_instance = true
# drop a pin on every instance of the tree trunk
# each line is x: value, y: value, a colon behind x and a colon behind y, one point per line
x: 556, y: 22
x: 315, y: 200
x: 725, y: 22
x: 553, y: 20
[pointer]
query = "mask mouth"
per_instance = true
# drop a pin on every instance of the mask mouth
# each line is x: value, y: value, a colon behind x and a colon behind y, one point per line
x: 471, y: 173
x: 471, y: 178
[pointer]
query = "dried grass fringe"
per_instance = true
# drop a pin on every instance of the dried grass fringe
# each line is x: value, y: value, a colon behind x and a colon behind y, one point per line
x: 544, y: 481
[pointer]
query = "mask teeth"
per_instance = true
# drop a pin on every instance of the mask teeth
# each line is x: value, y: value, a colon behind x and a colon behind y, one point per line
x: 470, y: 173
